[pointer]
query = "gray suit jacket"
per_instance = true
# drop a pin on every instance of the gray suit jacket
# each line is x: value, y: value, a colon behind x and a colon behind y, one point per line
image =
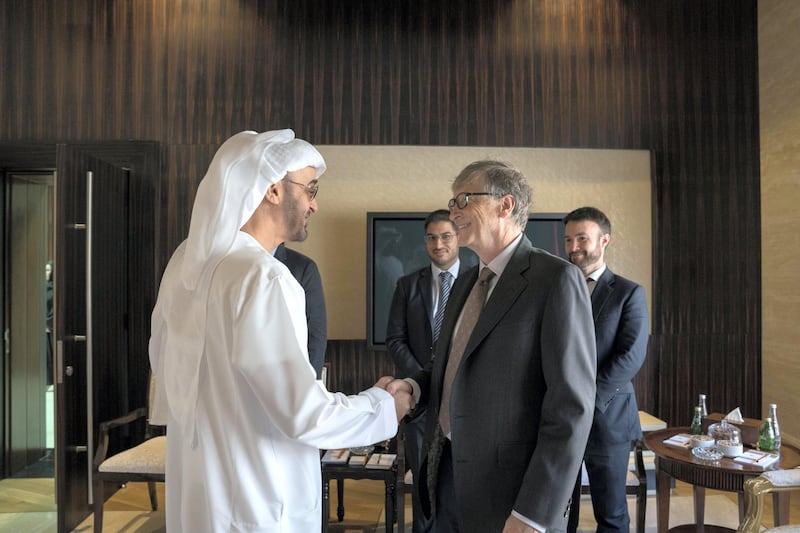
x: 523, y: 397
x: 621, y: 329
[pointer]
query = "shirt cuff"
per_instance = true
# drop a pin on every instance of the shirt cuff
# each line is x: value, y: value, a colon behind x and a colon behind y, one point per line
x: 528, y: 521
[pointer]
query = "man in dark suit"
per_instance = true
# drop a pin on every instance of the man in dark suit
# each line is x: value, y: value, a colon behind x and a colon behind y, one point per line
x: 505, y: 445
x: 621, y: 328
x: 417, y: 307
x: 305, y: 271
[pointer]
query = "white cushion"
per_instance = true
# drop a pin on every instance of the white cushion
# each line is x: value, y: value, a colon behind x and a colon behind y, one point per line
x: 784, y: 478
x: 147, y: 458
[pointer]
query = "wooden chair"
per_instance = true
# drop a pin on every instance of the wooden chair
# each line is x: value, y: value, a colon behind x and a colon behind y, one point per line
x: 636, y: 485
x: 772, y: 482
x: 145, y: 462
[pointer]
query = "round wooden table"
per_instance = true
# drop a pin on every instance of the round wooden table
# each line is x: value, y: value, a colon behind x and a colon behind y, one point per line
x: 726, y: 474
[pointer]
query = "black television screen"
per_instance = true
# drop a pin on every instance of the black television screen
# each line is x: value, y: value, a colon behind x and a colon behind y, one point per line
x: 395, y: 247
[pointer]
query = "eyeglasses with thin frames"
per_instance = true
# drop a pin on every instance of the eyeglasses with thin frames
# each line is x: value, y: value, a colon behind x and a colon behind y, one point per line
x: 444, y: 237
x: 462, y: 199
x: 312, y: 188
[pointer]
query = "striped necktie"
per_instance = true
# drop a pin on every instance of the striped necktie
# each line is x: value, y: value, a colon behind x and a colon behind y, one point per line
x: 444, y: 294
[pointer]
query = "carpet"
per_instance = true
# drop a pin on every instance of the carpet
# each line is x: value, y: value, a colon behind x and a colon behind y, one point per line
x: 720, y: 511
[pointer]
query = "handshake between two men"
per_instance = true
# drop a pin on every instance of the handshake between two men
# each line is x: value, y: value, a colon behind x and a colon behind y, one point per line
x: 401, y: 391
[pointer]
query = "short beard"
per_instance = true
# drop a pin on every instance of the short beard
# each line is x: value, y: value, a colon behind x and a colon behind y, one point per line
x: 582, y: 260
x: 296, y: 232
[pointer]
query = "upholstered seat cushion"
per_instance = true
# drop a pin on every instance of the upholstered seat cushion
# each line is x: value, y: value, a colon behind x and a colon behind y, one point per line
x: 147, y: 458
x: 784, y: 478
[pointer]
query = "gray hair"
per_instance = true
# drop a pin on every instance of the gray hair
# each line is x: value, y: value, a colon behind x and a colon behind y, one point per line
x: 500, y: 179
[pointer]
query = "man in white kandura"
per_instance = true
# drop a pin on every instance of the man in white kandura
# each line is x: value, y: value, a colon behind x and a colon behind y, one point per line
x: 246, y: 415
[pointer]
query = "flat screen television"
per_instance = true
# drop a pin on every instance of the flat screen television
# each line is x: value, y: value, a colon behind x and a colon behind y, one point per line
x: 395, y: 247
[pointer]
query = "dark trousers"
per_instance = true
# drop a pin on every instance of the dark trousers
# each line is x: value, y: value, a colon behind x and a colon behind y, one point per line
x: 415, y: 432
x: 608, y: 470
x: 446, y: 515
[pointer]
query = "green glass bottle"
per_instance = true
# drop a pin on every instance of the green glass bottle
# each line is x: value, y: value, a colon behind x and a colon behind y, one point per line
x: 697, y: 421
x: 766, y: 437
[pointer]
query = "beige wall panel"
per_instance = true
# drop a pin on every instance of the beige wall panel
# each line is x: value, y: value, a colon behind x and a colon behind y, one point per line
x: 779, y: 85
x: 417, y: 179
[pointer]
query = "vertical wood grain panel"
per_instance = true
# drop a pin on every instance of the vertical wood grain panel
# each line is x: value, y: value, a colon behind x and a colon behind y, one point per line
x: 678, y: 78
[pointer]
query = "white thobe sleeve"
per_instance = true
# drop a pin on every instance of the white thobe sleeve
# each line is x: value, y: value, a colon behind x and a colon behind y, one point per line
x: 270, y: 350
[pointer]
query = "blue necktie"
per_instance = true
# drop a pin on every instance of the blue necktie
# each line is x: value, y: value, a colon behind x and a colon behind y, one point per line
x: 444, y: 294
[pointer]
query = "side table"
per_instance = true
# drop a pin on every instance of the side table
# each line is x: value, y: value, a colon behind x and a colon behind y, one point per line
x: 725, y: 474
x: 393, y: 481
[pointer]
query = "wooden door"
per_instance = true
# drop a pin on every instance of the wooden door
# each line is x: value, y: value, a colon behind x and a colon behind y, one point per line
x: 102, y: 296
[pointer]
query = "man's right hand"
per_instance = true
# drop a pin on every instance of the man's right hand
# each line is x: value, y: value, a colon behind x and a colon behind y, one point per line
x: 403, y: 403
x: 399, y: 385
x: 401, y: 391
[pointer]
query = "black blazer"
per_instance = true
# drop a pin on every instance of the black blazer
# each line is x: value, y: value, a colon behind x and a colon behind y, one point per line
x: 621, y: 328
x: 409, y: 338
x: 523, y: 396
x: 305, y: 271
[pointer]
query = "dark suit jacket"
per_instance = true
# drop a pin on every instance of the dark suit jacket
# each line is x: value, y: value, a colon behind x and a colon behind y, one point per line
x: 523, y: 397
x: 409, y: 338
x: 621, y: 329
x: 305, y: 271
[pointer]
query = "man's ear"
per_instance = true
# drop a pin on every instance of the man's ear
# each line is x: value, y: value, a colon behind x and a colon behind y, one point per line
x: 274, y: 194
x: 507, y: 203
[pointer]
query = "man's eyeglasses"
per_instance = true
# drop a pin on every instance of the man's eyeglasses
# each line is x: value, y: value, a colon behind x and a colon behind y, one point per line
x: 312, y: 188
x: 462, y: 199
x: 444, y: 237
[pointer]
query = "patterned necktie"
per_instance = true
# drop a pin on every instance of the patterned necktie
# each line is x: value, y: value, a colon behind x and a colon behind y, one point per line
x: 444, y: 294
x: 590, y: 283
x: 469, y: 317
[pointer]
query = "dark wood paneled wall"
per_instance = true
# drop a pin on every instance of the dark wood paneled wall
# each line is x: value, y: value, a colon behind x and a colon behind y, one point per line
x: 679, y: 78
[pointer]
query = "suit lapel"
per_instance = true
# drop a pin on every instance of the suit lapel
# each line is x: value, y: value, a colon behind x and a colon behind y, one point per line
x: 510, y: 285
x: 458, y: 297
x: 424, y: 288
x: 602, y: 292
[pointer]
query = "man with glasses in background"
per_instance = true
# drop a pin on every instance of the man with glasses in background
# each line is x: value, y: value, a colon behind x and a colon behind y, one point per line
x: 511, y: 384
x: 415, y: 318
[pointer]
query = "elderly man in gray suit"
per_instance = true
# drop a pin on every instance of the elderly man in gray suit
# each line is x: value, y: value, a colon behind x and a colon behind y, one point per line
x: 510, y: 389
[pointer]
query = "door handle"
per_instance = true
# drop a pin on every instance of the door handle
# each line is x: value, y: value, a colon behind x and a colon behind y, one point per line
x: 89, y: 333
